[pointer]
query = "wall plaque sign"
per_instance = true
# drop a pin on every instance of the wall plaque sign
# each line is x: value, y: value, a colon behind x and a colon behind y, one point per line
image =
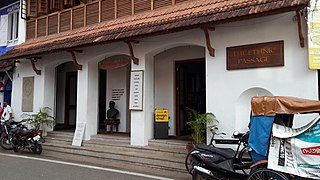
x: 27, y: 94
x: 267, y: 54
x: 136, y: 91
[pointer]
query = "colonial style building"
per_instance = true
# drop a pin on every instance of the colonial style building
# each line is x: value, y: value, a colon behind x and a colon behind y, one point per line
x: 10, y: 22
x: 209, y: 55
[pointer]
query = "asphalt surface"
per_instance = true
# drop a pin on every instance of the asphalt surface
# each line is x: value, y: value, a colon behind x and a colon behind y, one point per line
x: 18, y: 167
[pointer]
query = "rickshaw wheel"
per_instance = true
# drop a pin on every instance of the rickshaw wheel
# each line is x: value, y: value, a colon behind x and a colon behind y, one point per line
x: 266, y: 174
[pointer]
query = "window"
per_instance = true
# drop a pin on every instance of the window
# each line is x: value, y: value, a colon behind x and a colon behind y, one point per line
x: 13, y: 26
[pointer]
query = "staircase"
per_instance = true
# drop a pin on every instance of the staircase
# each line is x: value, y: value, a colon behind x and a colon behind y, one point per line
x: 161, y: 157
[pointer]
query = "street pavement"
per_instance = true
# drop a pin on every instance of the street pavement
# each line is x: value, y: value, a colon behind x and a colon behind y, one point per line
x: 20, y: 167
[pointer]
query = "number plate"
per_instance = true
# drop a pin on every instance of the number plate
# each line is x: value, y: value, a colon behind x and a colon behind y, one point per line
x: 36, y: 138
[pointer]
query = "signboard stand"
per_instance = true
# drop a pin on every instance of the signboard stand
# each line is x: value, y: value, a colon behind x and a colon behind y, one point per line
x: 78, y: 135
x: 161, y: 124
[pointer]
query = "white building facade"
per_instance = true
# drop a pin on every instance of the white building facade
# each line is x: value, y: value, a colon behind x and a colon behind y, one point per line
x: 170, y: 63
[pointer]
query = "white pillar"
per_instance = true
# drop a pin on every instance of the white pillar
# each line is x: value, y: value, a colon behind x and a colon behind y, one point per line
x: 87, y: 98
x: 142, y: 122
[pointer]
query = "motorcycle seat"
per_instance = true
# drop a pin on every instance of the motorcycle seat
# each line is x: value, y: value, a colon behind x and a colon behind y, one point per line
x: 227, y: 153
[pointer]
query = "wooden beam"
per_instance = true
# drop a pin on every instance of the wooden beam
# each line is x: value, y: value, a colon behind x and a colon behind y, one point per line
x: 208, y: 42
x: 33, y: 61
x: 301, y: 38
x: 75, y: 63
x: 134, y: 59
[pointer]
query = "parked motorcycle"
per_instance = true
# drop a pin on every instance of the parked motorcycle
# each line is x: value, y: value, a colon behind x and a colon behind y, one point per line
x: 220, y: 163
x: 27, y: 139
x: 6, y: 133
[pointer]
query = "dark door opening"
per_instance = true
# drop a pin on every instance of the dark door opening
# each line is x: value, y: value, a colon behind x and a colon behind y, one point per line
x: 190, y: 92
x: 66, y: 96
x: 102, y: 99
x: 71, y: 100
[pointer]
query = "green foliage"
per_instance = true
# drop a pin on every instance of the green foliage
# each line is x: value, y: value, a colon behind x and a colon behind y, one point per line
x: 199, y: 123
x: 42, y: 117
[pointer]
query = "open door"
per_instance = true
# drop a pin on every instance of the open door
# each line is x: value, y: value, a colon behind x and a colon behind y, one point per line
x: 190, y: 92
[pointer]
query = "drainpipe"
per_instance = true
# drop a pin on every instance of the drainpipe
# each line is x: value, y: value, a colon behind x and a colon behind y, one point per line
x: 8, y: 75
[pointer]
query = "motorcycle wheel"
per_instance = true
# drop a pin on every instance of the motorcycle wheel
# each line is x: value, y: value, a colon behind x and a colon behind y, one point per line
x: 15, y: 148
x: 5, y: 143
x: 190, y: 162
x: 37, y: 149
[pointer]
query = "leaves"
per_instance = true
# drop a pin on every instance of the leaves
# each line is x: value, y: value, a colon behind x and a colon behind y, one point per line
x: 42, y: 117
x: 199, y: 123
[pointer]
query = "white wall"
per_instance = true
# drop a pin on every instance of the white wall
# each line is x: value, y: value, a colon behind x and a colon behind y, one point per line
x: 224, y: 88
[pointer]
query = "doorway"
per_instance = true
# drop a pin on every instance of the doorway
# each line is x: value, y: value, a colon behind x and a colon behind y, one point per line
x: 190, y: 92
x: 71, y: 100
x: 102, y: 99
x: 66, y: 96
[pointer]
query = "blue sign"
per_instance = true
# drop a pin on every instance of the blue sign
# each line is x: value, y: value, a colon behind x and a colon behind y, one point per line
x: 10, y: 8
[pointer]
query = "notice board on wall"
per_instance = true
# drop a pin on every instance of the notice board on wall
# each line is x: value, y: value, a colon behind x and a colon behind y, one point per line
x: 136, y: 90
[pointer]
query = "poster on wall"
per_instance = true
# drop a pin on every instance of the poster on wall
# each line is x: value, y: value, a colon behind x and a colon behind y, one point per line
x: 27, y: 94
x: 314, y: 35
x: 136, y: 90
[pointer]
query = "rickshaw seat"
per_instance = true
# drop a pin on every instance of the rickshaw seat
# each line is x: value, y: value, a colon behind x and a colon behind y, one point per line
x: 227, y: 153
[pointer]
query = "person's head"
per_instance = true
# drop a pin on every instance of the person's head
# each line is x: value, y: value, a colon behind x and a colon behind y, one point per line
x: 5, y: 104
x: 112, y: 104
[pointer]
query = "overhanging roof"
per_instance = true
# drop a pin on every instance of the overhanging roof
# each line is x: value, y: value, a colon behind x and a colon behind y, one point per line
x: 190, y: 14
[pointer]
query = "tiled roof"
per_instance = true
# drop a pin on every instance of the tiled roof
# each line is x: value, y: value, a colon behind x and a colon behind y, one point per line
x: 6, y: 64
x: 190, y: 14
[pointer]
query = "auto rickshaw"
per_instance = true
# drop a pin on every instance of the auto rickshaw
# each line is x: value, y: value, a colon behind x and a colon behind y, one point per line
x: 274, y: 144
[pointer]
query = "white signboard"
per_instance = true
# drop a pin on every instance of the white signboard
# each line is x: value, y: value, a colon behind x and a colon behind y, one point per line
x: 78, y: 135
x: 136, y: 90
x: 298, y: 154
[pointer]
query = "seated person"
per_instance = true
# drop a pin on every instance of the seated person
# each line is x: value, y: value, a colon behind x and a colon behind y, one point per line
x: 112, y: 117
x: 112, y: 112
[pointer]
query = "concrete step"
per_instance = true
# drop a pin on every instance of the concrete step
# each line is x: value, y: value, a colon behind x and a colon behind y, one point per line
x: 164, y: 155
x: 121, y: 150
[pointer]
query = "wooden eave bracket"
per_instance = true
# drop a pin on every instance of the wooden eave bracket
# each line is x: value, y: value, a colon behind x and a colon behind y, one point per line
x: 134, y: 59
x: 301, y: 38
x: 33, y: 61
x: 75, y: 63
x: 206, y: 30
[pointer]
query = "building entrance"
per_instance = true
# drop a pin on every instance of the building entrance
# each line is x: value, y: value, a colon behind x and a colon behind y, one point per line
x: 66, y: 94
x: 190, y: 92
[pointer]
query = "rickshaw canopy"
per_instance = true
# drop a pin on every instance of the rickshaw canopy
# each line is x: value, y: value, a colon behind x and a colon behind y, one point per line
x: 272, y: 105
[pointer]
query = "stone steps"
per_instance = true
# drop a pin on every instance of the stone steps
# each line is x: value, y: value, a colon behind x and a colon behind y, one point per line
x: 159, y: 155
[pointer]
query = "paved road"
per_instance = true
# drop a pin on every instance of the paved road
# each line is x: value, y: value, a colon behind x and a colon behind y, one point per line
x: 17, y: 167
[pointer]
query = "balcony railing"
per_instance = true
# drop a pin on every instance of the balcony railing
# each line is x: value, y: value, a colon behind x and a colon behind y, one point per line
x: 90, y: 13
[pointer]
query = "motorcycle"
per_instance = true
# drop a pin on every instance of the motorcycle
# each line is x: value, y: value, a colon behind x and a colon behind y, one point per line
x: 6, y: 133
x: 220, y: 163
x: 27, y: 139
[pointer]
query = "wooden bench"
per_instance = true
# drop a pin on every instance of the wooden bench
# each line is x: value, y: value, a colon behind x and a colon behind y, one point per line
x: 112, y: 123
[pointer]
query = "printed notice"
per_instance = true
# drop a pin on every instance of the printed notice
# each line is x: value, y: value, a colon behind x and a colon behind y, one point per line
x: 78, y: 135
x: 136, y: 91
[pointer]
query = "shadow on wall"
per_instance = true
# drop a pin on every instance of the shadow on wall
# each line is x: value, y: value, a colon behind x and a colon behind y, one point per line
x: 243, y: 107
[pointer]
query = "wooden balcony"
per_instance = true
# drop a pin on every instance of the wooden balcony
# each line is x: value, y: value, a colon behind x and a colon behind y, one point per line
x: 90, y: 13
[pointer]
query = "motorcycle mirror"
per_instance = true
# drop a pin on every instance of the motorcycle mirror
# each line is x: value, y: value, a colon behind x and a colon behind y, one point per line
x: 236, y: 133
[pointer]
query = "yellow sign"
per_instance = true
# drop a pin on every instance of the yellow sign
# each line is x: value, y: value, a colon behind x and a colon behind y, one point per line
x: 162, y: 115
